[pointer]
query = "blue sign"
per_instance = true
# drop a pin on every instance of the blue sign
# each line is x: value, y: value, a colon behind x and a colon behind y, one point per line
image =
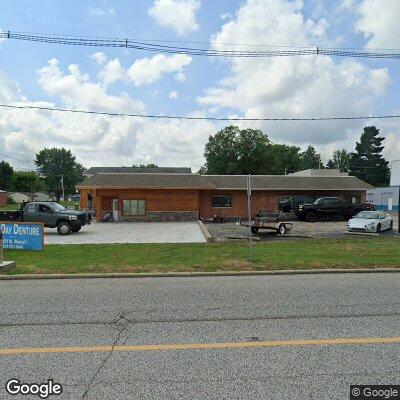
x: 22, y: 235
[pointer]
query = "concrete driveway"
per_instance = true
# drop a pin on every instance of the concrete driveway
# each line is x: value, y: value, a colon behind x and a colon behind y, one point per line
x: 133, y: 232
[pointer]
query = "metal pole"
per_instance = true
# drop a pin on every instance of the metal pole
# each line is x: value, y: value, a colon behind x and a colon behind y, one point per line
x: 1, y: 247
x: 62, y: 183
x: 398, y: 211
x: 249, y: 212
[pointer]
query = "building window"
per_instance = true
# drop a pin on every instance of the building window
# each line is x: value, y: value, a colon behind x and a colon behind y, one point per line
x: 221, y: 200
x: 134, y: 207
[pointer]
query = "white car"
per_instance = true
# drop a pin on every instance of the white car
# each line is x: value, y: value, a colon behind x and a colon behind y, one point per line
x: 370, y: 221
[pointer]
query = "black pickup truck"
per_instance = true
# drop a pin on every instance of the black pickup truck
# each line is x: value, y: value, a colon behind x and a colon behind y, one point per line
x: 329, y: 207
x: 51, y: 214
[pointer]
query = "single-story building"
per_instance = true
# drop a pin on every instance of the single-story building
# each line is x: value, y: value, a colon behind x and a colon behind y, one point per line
x: 387, y: 198
x: 3, y: 198
x: 20, y: 197
x: 162, y: 197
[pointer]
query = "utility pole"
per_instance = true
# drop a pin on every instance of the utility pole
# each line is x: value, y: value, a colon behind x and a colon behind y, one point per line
x: 249, y: 212
x: 62, y: 187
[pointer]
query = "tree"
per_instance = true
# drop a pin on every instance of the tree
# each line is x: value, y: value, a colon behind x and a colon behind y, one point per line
x: 340, y: 160
x: 236, y: 151
x: 6, y: 172
x: 149, y: 165
x: 56, y: 164
x: 25, y: 181
x: 282, y: 159
x: 367, y: 162
x: 310, y: 159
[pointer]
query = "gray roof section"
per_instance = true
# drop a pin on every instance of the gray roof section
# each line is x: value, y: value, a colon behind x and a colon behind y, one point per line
x: 227, y: 182
x: 155, y: 181
x: 288, y: 182
x: 138, y: 170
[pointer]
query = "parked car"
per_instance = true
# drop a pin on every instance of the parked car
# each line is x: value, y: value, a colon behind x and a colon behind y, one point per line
x: 370, y: 221
x: 51, y: 214
x: 330, y: 207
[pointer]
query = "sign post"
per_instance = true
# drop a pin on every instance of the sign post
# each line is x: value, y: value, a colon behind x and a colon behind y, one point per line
x: 249, y: 214
x: 4, y: 265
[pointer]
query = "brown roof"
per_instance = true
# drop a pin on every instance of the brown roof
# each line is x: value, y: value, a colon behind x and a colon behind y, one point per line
x: 138, y: 170
x: 289, y: 182
x: 154, y: 181
x: 227, y: 182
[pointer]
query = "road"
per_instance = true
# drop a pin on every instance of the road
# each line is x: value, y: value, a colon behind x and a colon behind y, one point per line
x: 261, y: 337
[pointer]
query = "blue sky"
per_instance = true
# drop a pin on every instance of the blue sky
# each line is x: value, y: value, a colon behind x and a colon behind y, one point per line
x: 134, y: 81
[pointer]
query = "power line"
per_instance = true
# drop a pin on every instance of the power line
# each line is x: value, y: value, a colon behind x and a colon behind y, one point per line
x: 17, y: 159
x: 180, y: 117
x: 153, y: 46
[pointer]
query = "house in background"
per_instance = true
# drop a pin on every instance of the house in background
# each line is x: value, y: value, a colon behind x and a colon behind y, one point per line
x: 136, y: 170
x: 387, y: 198
x: 21, y: 197
x: 179, y: 197
x: 3, y: 198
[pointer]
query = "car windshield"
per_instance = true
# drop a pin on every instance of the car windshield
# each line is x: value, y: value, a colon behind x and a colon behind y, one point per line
x: 367, y: 215
x: 56, y: 206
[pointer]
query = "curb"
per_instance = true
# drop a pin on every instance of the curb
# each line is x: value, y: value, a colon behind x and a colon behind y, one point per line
x: 199, y: 274
x: 205, y: 232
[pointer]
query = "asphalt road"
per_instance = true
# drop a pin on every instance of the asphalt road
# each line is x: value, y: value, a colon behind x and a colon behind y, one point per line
x: 214, y: 317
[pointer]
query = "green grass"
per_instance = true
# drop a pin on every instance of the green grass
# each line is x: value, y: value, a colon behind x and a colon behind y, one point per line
x: 274, y: 255
x: 11, y: 206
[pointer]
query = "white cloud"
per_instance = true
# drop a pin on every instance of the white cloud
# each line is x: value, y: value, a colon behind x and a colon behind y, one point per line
x: 173, y: 95
x: 96, y: 140
x: 112, y: 72
x: 147, y: 70
x: 179, y: 15
x: 379, y: 22
x: 293, y: 86
x: 180, y: 77
x: 99, y: 57
x: 101, y: 12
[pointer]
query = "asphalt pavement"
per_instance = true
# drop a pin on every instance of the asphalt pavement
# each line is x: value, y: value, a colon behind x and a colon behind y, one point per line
x: 255, y: 337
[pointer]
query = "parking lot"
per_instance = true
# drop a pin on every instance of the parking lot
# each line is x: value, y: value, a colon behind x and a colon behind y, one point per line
x: 301, y: 229
x: 137, y: 232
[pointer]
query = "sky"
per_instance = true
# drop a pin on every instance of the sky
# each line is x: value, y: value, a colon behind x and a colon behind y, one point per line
x: 133, y: 81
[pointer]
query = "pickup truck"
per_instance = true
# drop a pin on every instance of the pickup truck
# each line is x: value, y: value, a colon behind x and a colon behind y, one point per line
x: 329, y: 207
x: 51, y: 214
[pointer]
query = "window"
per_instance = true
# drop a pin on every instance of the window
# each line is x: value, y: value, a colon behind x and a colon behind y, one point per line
x: 44, y: 209
x: 221, y: 200
x: 30, y: 208
x: 134, y: 207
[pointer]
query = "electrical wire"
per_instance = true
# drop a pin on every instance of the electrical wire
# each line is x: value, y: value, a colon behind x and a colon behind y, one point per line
x: 180, y: 117
x: 153, y: 46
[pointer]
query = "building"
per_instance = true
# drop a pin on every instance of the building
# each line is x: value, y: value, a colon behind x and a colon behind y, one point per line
x: 171, y: 197
x: 387, y: 198
x: 3, y: 198
x: 136, y: 170
x: 21, y: 197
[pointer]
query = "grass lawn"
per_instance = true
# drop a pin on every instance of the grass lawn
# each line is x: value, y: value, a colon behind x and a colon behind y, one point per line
x: 299, y: 254
x: 11, y: 206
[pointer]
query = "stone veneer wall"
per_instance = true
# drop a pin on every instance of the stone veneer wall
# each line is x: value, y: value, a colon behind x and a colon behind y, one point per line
x: 164, y: 216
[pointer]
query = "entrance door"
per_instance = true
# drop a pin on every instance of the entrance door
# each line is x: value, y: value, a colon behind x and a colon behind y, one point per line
x: 115, y: 209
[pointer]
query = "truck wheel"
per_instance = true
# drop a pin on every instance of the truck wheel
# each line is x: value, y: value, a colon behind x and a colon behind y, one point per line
x: 76, y: 229
x: 282, y: 229
x: 311, y: 217
x: 254, y: 229
x: 378, y: 228
x: 64, y: 228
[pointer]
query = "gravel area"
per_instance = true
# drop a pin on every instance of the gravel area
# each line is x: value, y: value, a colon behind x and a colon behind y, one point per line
x: 321, y: 229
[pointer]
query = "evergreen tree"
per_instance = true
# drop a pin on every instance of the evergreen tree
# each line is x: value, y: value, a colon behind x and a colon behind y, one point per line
x: 367, y: 162
x: 310, y: 159
x: 6, y: 173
